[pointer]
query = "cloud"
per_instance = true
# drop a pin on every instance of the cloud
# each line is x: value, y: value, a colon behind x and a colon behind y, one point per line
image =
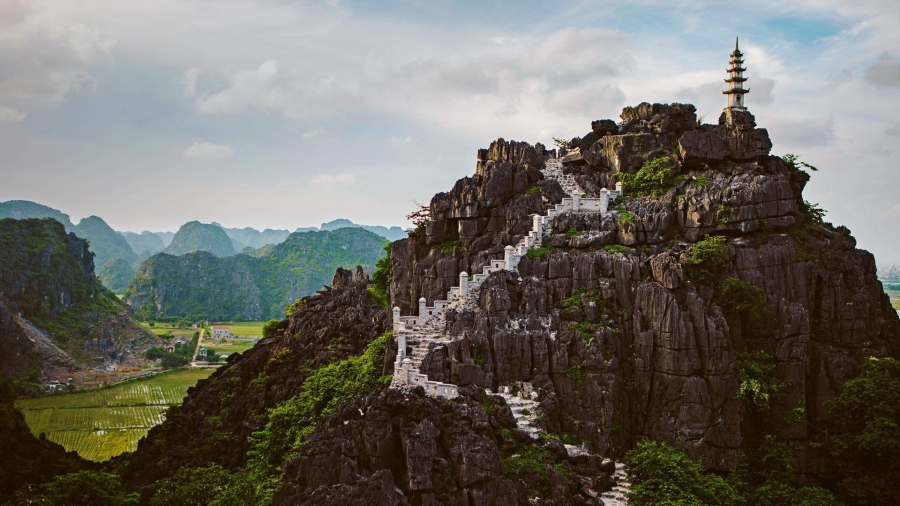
x: 885, y: 71
x: 401, y: 140
x: 895, y: 209
x: 208, y: 150
x: 327, y: 179
x: 803, y: 132
x: 313, y: 133
x: 268, y: 87
x: 893, y: 130
x: 44, y: 56
x: 189, y: 81
x: 10, y: 115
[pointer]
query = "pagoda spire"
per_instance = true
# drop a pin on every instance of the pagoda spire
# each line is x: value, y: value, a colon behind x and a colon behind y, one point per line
x: 736, y: 80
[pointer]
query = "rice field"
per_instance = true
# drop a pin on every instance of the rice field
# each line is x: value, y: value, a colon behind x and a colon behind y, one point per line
x: 247, y: 329
x: 100, y: 424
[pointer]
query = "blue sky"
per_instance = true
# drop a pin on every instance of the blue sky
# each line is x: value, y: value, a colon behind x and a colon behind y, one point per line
x: 287, y: 114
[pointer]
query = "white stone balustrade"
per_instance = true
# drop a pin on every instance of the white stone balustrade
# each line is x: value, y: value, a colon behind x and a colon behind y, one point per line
x: 420, y: 329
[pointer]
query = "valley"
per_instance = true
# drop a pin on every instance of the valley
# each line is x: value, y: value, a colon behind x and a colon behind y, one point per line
x: 105, y: 422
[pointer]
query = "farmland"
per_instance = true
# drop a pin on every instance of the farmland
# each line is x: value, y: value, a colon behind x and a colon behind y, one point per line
x: 247, y: 329
x: 100, y: 424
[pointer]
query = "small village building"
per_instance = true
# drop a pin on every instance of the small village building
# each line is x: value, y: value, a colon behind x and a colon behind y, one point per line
x: 202, y: 352
x: 181, y: 340
x: 112, y: 368
x: 221, y: 332
x: 170, y: 348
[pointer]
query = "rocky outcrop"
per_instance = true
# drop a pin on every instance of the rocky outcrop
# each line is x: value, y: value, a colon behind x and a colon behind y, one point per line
x: 612, y: 313
x: 403, y: 448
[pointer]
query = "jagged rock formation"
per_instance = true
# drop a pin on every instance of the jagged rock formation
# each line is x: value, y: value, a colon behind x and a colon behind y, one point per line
x: 249, y: 287
x: 196, y: 236
x: 54, y: 315
x: 106, y: 244
x: 24, y: 209
x: 643, y: 329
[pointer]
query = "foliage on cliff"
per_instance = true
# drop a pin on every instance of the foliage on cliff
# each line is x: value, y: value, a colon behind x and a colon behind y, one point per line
x: 201, y: 286
x: 24, y: 209
x: 196, y: 236
x: 116, y: 274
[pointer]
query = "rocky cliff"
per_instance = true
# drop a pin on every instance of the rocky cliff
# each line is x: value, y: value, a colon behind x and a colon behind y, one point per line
x: 620, y: 322
x: 55, y: 316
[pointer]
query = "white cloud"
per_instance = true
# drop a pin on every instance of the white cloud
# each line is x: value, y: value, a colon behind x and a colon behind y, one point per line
x: 313, y: 133
x: 341, y: 179
x: 208, y: 150
x: 802, y: 132
x: 895, y: 209
x: 400, y: 140
x: 44, y: 56
x: 10, y: 115
x: 893, y: 130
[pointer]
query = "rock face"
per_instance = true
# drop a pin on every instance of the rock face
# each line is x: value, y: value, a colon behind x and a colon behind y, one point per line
x: 644, y: 349
x: 55, y: 316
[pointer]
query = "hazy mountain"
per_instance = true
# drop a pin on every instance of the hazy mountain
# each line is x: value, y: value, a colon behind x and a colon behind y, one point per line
x: 391, y: 234
x: 22, y: 209
x: 196, y: 236
x: 144, y: 244
x: 106, y: 243
x: 116, y: 274
x: 243, y: 237
x: 166, y: 237
x: 200, y: 285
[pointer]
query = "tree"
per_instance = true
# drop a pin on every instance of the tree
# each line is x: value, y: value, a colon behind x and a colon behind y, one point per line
x: 270, y: 328
x: 146, y: 313
x: 661, y: 474
x: 85, y: 488
x: 866, y: 441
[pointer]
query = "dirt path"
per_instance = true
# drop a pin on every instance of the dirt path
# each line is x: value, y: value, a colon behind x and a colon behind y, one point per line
x: 197, y: 349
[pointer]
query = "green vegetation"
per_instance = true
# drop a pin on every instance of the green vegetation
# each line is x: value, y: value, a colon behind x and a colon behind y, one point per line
x: 572, y: 233
x: 614, y: 249
x: 796, y: 164
x: 200, y: 286
x: 116, y: 274
x: 247, y: 329
x: 24, y: 209
x: 102, y: 423
x: 541, y: 252
x: 82, y: 488
x: 706, y: 258
x: 270, y: 329
x: 329, y: 388
x: 196, y: 236
x: 448, y: 246
x: 744, y: 297
x: 180, y: 357
x: 578, y: 373
x: 866, y: 434
x: 758, y: 384
x: 106, y: 243
x: 815, y: 212
x: 381, y: 280
x: 662, y: 475
x: 722, y: 214
x: 534, y: 189
x: 625, y: 216
x: 701, y: 180
x: 144, y: 244
x: 654, y: 179
x: 213, y: 486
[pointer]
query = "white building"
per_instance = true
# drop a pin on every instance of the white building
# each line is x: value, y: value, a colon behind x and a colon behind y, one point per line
x: 220, y: 332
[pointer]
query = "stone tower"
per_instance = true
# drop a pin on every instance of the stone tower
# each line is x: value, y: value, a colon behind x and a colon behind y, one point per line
x: 736, y: 80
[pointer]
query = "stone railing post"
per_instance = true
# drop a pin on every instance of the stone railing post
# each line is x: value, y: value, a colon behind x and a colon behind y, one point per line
x: 423, y: 313
x: 463, y: 284
x: 604, y: 200
x: 619, y: 188
x: 401, y: 346
x: 536, y: 226
x: 508, y: 253
x: 576, y: 202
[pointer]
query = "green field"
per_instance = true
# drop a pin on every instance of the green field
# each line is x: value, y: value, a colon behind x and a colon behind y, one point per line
x: 228, y: 347
x: 247, y: 329
x: 100, y: 424
x: 895, y: 298
x: 162, y: 329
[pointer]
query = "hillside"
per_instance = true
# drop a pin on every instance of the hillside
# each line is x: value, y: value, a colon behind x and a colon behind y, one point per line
x: 710, y: 308
x: 105, y: 243
x: 391, y: 234
x: 116, y: 274
x: 144, y: 244
x: 245, y: 287
x: 22, y: 209
x: 196, y: 236
x: 55, y: 317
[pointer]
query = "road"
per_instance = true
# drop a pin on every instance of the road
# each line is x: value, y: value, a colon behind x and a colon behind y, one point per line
x: 197, y: 350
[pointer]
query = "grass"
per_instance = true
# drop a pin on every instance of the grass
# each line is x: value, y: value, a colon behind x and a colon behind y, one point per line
x: 247, y: 329
x: 100, y: 424
x: 161, y: 329
x: 228, y: 347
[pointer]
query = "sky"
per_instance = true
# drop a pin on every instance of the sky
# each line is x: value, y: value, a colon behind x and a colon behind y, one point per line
x: 282, y: 114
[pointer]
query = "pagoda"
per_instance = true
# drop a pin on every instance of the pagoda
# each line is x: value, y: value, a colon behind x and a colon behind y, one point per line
x: 736, y: 80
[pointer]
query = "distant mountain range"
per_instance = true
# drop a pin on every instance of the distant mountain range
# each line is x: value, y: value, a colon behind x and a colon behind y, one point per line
x: 119, y: 255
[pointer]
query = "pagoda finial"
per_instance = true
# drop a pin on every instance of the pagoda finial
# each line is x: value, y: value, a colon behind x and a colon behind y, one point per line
x: 736, y: 80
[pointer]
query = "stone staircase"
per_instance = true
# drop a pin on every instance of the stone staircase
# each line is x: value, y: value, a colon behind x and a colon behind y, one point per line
x: 417, y: 335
